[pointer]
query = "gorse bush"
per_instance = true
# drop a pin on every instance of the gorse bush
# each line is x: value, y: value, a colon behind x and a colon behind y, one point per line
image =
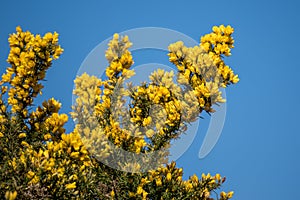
x: 120, y: 144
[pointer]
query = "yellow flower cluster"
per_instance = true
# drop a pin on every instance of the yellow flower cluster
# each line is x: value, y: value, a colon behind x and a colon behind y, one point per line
x: 225, y: 196
x: 54, y: 124
x: 218, y: 43
x: 34, y: 144
x: 167, y: 183
x: 87, y: 90
x: 146, y: 97
x: 46, y: 120
x: 120, y: 60
x: 39, y: 160
x: 118, y: 56
x: 30, y: 56
x: 156, y: 107
x: 197, y: 73
x: 11, y: 195
x: 61, y: 162
x: 196, y: 70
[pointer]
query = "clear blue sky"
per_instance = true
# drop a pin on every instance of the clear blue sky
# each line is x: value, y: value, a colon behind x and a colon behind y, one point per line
x: 258, y: 148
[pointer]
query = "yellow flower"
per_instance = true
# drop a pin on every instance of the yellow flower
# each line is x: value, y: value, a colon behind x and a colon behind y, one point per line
x: 218, y: 177
x: 75, y: 154
x: 228, y: 30
x: 139, y: 143
x: 47, y: 136
x: 139, y: 190
x: 223, y: 194
x: 235, y: 79
x: 145, y: 194
x: 73, y: 177
x: 169, y: 176
x: 116, y: 36
x: 71, y: 186
x: 194, y: 178
x: 158, y: 181
x: 1, y: 135
x: 76, y: 145
x: 19, y: 29
x: 24, y: 144
x: 213, y: 181
x: 112, y: 193
x: 147, y: 121
x: 216, y: 29
x: 179, y: 178
x: 30, y: 174
x: 11, y: 195
x: 46, y: 153
x: 35, y: 180
x: 230, y: 194
x: 188, y: 185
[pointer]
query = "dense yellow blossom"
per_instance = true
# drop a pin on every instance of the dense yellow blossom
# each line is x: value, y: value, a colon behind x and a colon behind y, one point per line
x: 118, y: 56
x: 203, y: 68
x: 218, y: 43
x: 30, y: 56
x: 40, y: 160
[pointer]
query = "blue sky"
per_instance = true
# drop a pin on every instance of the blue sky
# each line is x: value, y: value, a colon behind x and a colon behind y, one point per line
x: 258, y: 148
